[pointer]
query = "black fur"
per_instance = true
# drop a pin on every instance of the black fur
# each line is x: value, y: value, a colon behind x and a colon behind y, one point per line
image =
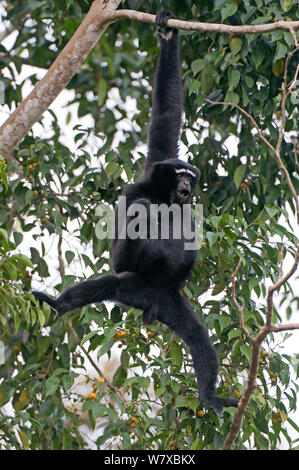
x: 150, y: 273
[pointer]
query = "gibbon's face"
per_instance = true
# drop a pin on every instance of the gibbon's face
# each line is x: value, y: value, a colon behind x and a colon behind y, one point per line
x: 186, y: 180
x: 175, y: 180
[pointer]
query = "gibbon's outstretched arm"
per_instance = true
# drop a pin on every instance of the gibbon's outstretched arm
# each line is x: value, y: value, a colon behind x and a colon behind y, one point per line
x: 166, y: 120
x: 171, y: 309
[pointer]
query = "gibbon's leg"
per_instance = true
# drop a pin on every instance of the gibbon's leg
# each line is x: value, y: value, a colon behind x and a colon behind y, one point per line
x: 126, y: 288
x: 183, y: 320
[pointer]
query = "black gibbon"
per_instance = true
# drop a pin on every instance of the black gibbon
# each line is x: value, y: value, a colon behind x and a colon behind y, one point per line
x: 149, y: 273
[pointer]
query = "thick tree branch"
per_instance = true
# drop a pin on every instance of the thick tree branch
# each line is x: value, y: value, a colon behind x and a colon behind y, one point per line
x: 206, y: 27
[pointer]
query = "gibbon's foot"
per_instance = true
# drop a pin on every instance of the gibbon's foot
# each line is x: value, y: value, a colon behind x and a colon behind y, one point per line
x: 41, y: 297
x: 161, y: 20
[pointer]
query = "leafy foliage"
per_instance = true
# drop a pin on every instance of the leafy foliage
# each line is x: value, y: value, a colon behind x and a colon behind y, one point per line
x: 58, y: 177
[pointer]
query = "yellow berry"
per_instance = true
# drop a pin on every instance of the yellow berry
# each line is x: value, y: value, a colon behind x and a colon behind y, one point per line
x: 201, y: 413
x: 101, y: 380
x: 260, y: 394
x: 149, y: 334
x: 133, y: 425
x: 123, y: 334
x: 117, y: 335
x: 92, y: 396
x: 133, y: 419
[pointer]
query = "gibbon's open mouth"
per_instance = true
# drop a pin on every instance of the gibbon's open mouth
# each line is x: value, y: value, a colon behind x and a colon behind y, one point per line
x: 183, y: 193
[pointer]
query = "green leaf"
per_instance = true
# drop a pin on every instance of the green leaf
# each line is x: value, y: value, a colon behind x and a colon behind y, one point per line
x: 229, y: 9
x: 234, y: 334
x: 280, y: 52
x: 187, y: 402
x: 69, y: 256
x: 119, y: 377
x: 51, y: 385
x: 46, y: 408
x: 233, y: 78
x: 176, y: 355
x: 196, y: 444
x: 18, y: 237
x: 287, y: 5
x: 212, y: 238
x: 98, y: 409
x: 246, y: 350
x: 258, y: 54
x: 232, y: 97
x: 102, y: 91
x: 224, y: 322
x: 3, y: 172
x: 24, y: 439
x: 193, y: 85
x: 196, y: 66
x: 239, y: 175
x: 235, y: 45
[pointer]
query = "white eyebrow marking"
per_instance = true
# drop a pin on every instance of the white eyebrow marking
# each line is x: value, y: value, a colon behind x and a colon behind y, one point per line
x: 185, y: 170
